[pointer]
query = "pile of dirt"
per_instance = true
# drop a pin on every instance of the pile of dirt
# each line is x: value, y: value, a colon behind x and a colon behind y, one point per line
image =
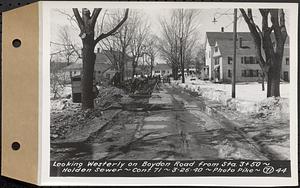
x: 109, y: 96
x: 140, y: 86
x: 67, y: 116
x: 63, y: 122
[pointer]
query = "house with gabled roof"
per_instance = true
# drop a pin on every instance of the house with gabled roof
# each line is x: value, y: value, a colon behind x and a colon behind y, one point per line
x: 105, y: 65
x: 219, y: 58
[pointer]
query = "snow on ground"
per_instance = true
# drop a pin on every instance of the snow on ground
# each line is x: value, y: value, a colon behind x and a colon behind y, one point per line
x: 263, y: 119
x: 248, y: 91
x: 69, y: 120
x: 66, y: 91
x: 249, y: 96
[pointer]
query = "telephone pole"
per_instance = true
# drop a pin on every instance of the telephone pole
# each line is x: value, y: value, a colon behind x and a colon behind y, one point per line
x: 234, y: 54
x: 181, y: 61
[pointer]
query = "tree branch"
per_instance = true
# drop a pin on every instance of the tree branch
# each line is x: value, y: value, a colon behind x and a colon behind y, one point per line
x: 95, y: 15
x: 78, y: 18
x: 256, y: 35
x: 277, y: 19
x: 104, y: 35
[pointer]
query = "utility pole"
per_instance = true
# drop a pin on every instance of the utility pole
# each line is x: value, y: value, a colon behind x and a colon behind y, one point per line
x: 181, y: 49
x: 234, y: 54
x: 181, y: 61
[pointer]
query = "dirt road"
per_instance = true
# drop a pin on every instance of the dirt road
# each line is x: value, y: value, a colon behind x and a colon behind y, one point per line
x: 172, y: 125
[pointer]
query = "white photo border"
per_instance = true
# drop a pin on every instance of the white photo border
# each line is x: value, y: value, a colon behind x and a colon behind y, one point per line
x: 44, y: 118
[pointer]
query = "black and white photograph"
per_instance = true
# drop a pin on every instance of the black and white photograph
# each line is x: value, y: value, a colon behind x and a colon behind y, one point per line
x: 170, y: 85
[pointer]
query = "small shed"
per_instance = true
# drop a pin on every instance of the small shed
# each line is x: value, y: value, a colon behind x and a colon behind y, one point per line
x: 76, y: 89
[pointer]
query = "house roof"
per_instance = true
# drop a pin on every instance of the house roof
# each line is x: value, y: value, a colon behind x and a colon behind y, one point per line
x: 98, y: 66
x: 104, y: 60
x: 102, y: 66
x: 212, y: 37
x: 101, y: 57
x: 58, y: 65
x: 226, y: 47
x: 111, y: 54
x: 74, y: 66
x: 161, y: 67
x: 224, y: 41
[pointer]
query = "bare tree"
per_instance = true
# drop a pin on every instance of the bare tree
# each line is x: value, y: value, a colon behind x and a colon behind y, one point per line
x: 139, y: 43
x: 269, y: 52
x: 168, y: 46
x: 200, y: 58
x: 71, y: 51
x: 120, y: 43
x: 108, y: 47
x: 86, y: 23
x: 178, y: 38
x: 65, y: 49
x: 58, y: 78
x: 151, y: 51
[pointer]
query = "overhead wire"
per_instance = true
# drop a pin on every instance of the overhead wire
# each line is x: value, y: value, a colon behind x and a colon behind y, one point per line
x: 233, y: 21
x: 221, y: 14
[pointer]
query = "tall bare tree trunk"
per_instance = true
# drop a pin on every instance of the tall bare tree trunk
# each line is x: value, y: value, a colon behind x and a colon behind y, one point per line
x: 123, y: 62
x: 88, y: 57
x: 175, y: 71
x: 272, y: 60
x: 151, y: 66
x: 88, y: 60
x: 273, y: 88
x: 262, y: 81
x: 86, y: 23
x: 133, y: 68
x: 182, y: 64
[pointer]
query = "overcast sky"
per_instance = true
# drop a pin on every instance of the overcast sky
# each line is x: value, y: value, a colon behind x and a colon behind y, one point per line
x: 224, y: 18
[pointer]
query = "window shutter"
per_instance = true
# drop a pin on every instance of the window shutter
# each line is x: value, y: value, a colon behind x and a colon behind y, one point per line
x: 242, y: 60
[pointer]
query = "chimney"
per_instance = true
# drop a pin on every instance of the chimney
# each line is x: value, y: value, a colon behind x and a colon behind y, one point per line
x: 222, y: 29
x: 98, y: 50
x: 241, y: 42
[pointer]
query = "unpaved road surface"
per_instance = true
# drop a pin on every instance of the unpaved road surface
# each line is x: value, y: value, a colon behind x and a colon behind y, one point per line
x: 172, y: 125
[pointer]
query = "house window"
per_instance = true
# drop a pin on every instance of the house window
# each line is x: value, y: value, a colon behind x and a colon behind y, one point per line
x: 250, y: 73
x: 216, y: 49
x: 99, y: 72
x: 229, y: 60
x: 229, y: 73
x: 255, y: 73
x: 252, y: 61
x: 286, y: 76
x: 217, y: 61
x: 74, y: 72
x: 248, y: 60
x: 287, y: 61
x: 157, y: 71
